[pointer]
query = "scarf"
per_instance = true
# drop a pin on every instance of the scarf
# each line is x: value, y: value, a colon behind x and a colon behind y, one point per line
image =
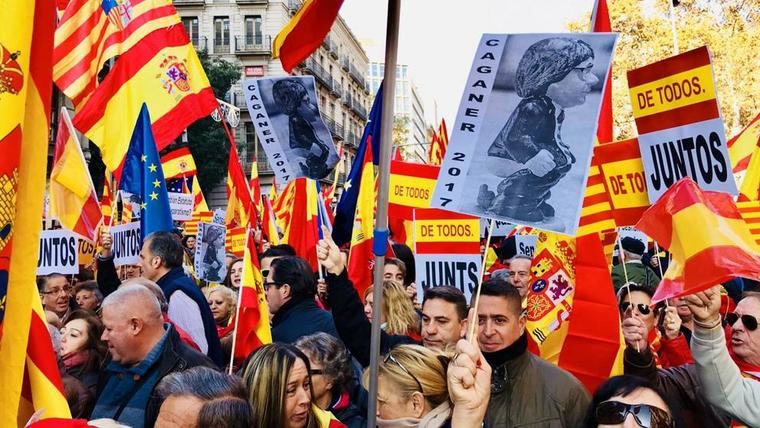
x: 435, y: 419
x: 74, y: 359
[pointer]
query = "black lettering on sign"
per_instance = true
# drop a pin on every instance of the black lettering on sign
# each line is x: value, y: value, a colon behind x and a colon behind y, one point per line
x: 698, y: 157
x: 459, y: 274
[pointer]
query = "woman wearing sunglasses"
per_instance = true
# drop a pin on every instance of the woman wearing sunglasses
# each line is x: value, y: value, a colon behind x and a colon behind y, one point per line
x: 630, y: 402
x: 654, y: 326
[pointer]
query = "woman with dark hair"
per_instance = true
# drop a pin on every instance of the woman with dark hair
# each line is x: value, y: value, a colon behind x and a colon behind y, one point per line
x: 332, y: 377
x: 234, y: 274
x: 553, y: 74
x: 188, y: 244
x: 82, y: 351
x: 226, y: 412
x: 628, y: 401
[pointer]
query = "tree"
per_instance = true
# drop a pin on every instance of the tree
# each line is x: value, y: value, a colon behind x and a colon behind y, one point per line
x: 400, y: 129
x: 731, y: 30
x: 207, y: 139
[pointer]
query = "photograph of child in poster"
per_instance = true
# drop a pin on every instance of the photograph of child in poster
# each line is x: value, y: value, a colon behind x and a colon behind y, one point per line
x: 522, y: 144
x: 210, y: 252
x: 285, y: 112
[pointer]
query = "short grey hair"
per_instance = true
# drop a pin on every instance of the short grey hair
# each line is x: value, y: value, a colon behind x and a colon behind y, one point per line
x: 332, y: 355
x: 502, y: 274
x: 627, y: 255
x: 201, y: 382
x: 153, y: 288
x: 125, y: 295
x: 521, y: 257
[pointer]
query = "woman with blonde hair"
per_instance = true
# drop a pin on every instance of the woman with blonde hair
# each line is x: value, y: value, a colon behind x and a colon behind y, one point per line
x: 398, y: 315
x: 223, y: 301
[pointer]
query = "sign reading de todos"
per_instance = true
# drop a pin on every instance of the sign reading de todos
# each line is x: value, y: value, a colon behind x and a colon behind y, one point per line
x: 680, y: 127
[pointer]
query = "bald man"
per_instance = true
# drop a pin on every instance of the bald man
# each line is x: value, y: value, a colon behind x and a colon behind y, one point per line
x: 143, y: 350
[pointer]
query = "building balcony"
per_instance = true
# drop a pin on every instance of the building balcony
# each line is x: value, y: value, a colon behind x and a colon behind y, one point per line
x: 263, y: 164
x: 238, y: 100
x: 334, y: 50
x: 335, y: 129
x: 345, y: 63
x: 179, y: 3
x: 356, y: 75
x: 339, y: 133
x: 252, y: 1
x: 319, y: 72
x: 326, y: 42
x: 336, y: 90
x: 200, y: 43
x: 253, y: 44
x: 347, y: 99
x: 221, y: 48
x: 359, y: 110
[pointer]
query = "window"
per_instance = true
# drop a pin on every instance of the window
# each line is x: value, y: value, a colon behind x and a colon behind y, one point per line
x: 253, y: 35
x: 191, y: 27
x: 222, y: 34
x: 331, y: 110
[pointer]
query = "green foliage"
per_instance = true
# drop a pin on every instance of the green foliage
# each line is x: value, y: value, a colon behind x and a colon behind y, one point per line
x: 729, y: 28
x: 207, y: 140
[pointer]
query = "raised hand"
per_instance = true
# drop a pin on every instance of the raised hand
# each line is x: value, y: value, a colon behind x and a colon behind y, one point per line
x: 106, y: 243
x: 329, y: 254
x: 705, y: 305
x: 672, y: 322
x: 469, y: 381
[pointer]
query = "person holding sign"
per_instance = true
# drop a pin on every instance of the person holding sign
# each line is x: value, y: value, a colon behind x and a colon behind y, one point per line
x: 553, y: 74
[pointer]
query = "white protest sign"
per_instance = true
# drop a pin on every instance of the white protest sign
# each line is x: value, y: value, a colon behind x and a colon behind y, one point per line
x: 181, y: 205
x: 59, y: 253
x: 525, y: 245
x: 631, y: 232
x: 500, y: 228
x: 127, y: 243
x: 458, y: 270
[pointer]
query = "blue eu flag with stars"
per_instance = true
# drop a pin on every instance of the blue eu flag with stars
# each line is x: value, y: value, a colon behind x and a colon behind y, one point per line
x: 142, y: 176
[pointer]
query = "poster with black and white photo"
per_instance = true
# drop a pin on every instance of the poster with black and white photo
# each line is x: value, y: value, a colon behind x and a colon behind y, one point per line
x: 521, y: 145
x: 210, y: 253
x: 285, y: 113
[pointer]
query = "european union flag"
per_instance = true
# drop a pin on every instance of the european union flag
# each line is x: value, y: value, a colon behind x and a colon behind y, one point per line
x: 142, y: 176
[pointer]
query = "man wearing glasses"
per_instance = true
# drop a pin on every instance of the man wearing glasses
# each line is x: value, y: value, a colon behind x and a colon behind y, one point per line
x: 55, y: 292
x: 723, y: 388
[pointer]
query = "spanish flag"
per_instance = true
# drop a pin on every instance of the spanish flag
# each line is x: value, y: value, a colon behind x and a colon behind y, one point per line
x: 29, y: 377
x: 239, y: 202
x: 162, y: 71
x: 743, y: 145
x: 600, y: 23
x: 199, y: 202
x: 178, y: 163
x: 305, y: 32
x: 255, y: 186
x: 269, y: 225
x: 296, y: 213
x: 709, y: 241
x: 360, y: 256
x: 252, y: 318
x: 72, y: 195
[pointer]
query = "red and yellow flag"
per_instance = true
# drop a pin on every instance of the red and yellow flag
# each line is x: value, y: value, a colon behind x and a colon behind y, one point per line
x: 255, y: 185
x: 303, y: 34
x: 240, y: 205
x: 91, y: 32
x: 252, y: 318
x: 743, y: 145
x: 73, y: 200
x: 360, y: 256
x: 600, y: 23
x: 707, y: 238
x: 750, y: 185
x: 439, y: 144
x: 178, y: 163
x: 296, y: 213
x: 29, y: 376
x: 269, y: 225
x: 164, y: 72
x: 106, y: 201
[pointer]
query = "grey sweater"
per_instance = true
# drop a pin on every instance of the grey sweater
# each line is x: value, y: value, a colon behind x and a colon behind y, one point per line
x: 722, y: 382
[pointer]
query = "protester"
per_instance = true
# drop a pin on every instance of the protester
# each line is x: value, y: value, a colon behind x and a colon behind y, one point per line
x: 279, y: 387
x: 524, y: 388
x: 519, y: 274
x: 398, y: 315
x: 275, y: 251
x: 188, y: 244
x: 88, y: 295
x: 332, y: 377
x: 234, y: 274
x: 223, y: 302
x: 635, y: 270
x: 180, y: 396
x: 628, y: 401
x: 667, y: 343
x: 226, y: 412
x: 444, y: 317
x: 406, y: 255
x: 78, y: 397
x: 82, y: 352
x: 143, y: 350
x: 394, y: 270
x: 369, y: 302
x: 729, y: 378
x: 469, y: 384
x: 684, y: 313
x: 161, y: 262
x: 55, y: 294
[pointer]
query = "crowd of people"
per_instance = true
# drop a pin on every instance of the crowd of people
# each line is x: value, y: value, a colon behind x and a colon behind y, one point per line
x: 149, y: 345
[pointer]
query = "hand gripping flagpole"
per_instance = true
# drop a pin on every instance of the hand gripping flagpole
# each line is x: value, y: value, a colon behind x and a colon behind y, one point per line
x: 380, y: 238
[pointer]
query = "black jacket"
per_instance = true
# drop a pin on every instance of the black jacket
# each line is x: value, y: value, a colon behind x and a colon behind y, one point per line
x: 296, y: 319
x: 354, y: 328
x: 106, y: 276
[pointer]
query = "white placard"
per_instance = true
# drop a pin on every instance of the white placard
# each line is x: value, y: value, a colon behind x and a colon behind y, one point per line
x: 181, y: 205
x: 59, y: 253
x: 458, y: 270
x: 127, y: 243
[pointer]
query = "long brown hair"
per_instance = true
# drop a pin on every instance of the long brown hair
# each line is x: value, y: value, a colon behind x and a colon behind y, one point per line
x: 96, y: 347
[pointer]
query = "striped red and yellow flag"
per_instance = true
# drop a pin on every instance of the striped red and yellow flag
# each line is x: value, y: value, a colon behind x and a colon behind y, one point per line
x: 191, y: 227
x: 178, y: 163
x: 73, y: 200
x: 596, y: 213
x: 252, y: 317
x: 439, y: 144
x: 91, y: 32
x: 303, y: 34
x: 199, y: 201
x: 325, y: 418
x: 164, y: 72
x: 296, y: 214
x: 600, y: 23
x: 106, y: 201
x: 255, y: 186
x: 750, y: 211
x: 269, y: 225
x: 29, y: 376
x: 240, y: 204
x: 707, y: 237
x: 749, y: 190
x: 743, y: 145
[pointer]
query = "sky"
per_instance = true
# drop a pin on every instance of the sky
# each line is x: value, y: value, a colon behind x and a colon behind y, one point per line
x: 437, y: 38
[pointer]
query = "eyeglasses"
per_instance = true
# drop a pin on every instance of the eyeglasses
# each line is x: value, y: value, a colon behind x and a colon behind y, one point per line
x: 271, y: 283
x: 389, y: 357
x: 643, y: 309
x: 748, y: 320
x: 264, y: 273
x: 56, y: 291
x: 646, y: 416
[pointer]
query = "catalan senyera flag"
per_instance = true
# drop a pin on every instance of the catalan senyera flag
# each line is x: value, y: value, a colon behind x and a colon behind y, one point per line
x: 743, y: 145
x: 164, y: 72
x: 178, y: 163
x: 707, y: 237
x: 596, y: 211
x: 749, y: 190
x: 73, y: 200
x: 29, y: 376
x: 191, y: 227
x: 600, y: 23
x: 360, y: 256
x: 91, y: 32
x: 240, y: 204
x: 439, y: 144
x: 269, y: 222
x: 303, y: 34
x: 326, y: 419
x: 199, y: 202
x: 252, y: 313
x: 750, y: 211
x: 106, y: 202
x: 296, y: 213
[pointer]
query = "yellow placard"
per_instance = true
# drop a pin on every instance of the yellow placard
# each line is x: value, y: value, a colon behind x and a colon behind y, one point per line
x: 447, y: 230
x: 626, y: 183
x: 412, y: 192
x: 672, y: 92
x: 87, y: 251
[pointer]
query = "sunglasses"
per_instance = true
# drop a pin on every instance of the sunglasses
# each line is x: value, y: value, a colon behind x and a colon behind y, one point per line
x: 646, y: 416
x: 389, y: 357
x: 748, y: 320
x: 643, y: 309
x: 265, y: 273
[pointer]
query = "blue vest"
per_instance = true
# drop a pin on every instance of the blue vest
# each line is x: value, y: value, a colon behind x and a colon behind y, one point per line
x: 177, y: 280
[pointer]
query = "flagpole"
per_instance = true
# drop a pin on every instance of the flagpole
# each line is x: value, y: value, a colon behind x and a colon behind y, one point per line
x: 380, y: 238
x: 472, y: 326
x: 240, y: 296
x: 673, y: 26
